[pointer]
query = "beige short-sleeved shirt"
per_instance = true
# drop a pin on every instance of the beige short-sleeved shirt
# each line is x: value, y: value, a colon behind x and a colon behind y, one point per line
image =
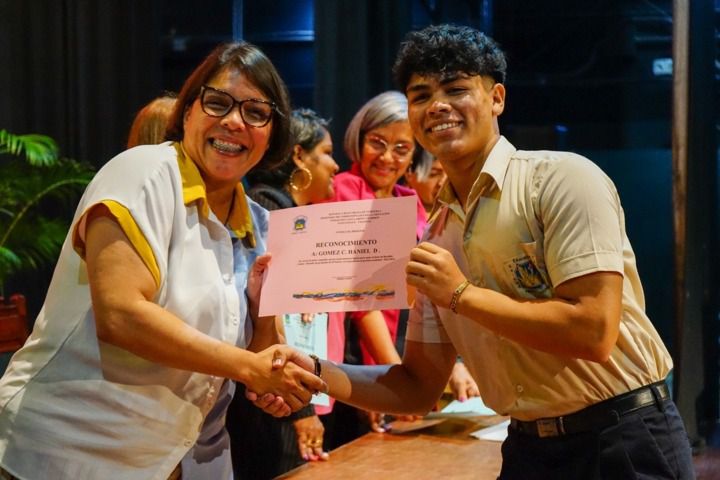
x: 535, y: 220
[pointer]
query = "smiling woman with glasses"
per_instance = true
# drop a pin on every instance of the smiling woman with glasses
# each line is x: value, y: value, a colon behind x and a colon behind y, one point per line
x: 254, y: 112
x: 152, y: 312
x: 380, y: 145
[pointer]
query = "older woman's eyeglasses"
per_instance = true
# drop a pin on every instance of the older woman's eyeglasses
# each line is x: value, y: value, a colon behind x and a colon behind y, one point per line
x: 400, y: 150
x: 254, y: 112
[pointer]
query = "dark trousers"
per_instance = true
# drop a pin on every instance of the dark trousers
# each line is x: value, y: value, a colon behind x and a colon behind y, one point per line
x: 262, y: 446
x: 650, y: 443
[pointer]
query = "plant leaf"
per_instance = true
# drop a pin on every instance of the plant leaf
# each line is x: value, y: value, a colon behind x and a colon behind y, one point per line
x: 36, y: 207
x: 39, y: 150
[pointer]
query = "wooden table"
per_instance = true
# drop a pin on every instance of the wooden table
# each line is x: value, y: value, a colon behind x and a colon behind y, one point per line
x: 443, y: 451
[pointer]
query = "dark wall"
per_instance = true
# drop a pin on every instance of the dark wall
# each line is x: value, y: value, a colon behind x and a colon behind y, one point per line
x: 585, y: 77
x: 77, y: 70
x: 355, y: 47
x: 594, y: 67
x: 187, y: 33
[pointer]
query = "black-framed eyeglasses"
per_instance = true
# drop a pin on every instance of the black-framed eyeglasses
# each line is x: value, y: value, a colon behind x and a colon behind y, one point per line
x: 254, y: 112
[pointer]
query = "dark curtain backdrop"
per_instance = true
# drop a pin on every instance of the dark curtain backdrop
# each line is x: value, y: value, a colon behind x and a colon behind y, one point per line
x: 78, y: 70
x: 355, y: 46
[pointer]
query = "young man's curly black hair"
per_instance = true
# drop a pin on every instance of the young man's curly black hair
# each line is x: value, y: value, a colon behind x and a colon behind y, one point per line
x: 445, y: 50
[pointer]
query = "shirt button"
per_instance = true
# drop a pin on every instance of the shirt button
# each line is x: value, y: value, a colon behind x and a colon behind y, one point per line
x: 519, y: 388
x: 234, y: 319
x: 187, y: 443
x: 227, y: 278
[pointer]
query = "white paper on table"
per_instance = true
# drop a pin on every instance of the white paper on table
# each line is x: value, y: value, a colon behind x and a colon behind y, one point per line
x: 310, y: 338
x: 473, y: 405
x: 496, y: 433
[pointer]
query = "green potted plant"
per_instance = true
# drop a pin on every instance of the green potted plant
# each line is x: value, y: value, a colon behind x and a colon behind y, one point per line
x: 39, y: 190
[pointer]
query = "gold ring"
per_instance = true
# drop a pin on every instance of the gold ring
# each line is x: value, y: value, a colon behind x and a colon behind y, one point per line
x: 315, y: 443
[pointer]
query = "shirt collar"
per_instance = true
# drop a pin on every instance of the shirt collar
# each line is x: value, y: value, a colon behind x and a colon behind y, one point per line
x: 495, y: 167
x: 497, y: 162
x: 240, y: 221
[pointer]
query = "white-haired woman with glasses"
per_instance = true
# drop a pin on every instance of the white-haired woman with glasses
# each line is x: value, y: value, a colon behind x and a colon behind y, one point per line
x: 153, y: 306
x: 380, y: 145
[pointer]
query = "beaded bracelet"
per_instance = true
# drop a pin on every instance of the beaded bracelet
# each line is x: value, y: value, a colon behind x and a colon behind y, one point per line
x: 456, y: 295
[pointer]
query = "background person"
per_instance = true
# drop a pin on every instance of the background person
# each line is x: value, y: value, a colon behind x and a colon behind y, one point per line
x: 380, y: 145
x: 426, y: 176
x: 306, y: 177
x: 153, y: 304
x: 150, y: 124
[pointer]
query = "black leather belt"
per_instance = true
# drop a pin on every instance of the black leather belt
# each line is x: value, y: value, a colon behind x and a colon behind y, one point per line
x: 598, y: 416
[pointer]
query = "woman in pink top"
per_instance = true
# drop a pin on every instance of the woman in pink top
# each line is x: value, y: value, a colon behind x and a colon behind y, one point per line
x: 380, y: 144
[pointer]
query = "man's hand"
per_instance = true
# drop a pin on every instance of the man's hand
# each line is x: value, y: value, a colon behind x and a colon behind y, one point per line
x: 286, y: 373
x: 434, y: 272
x: 298, y: 366
x: 269, y: 404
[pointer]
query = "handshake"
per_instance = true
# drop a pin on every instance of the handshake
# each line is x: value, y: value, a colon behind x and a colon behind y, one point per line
x: 289, y: 383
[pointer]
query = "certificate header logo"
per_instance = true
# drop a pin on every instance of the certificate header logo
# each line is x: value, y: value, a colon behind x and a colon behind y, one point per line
x: 300, y: 223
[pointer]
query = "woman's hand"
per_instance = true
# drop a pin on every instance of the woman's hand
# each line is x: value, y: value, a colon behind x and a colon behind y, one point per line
x: 254, y: 283
x: 310, y: 432
x: 307, y: 317
x: 379, y: 424
x: 286, y: 373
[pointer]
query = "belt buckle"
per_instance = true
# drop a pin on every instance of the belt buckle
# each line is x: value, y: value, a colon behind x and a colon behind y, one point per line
x: 547, y: 427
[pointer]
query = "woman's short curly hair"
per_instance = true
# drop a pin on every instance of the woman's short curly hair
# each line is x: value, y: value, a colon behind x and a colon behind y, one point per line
x: 447, y: 49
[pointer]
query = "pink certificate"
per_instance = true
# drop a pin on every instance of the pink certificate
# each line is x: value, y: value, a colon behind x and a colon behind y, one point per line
x: 341, y: 256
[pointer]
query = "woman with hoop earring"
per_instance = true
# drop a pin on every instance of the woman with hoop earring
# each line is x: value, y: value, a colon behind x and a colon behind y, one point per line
x: 307, y: 176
